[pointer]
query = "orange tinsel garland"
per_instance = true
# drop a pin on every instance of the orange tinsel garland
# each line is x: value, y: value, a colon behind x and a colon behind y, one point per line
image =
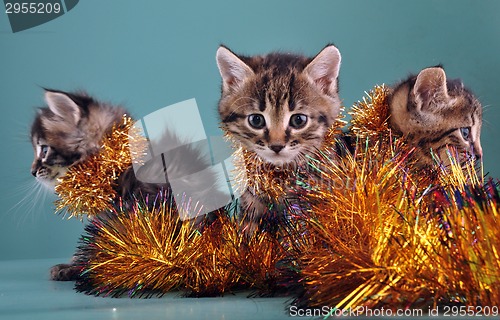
x: 88, y: 187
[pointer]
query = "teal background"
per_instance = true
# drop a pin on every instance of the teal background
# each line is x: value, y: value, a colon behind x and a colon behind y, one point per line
x: 150, y: 54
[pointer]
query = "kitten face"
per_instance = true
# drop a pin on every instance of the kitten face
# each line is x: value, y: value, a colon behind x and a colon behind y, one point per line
x: 66, y: 132
x: 49, y: 164
x: 433, y: 113
x: 279, y: 105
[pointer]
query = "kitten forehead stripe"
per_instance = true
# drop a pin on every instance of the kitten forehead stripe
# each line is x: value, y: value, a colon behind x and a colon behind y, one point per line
x: 233, y: 117
x: 441, y: 136
x: 291, y: 99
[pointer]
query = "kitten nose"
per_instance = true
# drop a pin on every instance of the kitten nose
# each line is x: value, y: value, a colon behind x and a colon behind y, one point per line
x: 478, y: 154
x: 276, y: 148
x: 34, y: 168
x: 478, y: 151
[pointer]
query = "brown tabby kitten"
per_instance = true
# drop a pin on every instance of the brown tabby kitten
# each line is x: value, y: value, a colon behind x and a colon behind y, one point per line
x: 278, y: 107
x: 64, y: 133
x: 71, y: 128
x: 432, y: 112
x: 68, y: 131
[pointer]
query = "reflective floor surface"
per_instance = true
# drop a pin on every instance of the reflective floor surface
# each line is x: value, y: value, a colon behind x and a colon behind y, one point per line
x: 27, y: 293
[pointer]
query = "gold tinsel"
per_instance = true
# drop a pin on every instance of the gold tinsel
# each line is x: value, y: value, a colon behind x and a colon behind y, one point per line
x: 88, y: 188
x: 136, y: 250
x: 139, y: 252
x: 387, y: 235
x: 383, y: 245
x: 264, y: 179
x: 377, y: 232
x: 143, y: 252
x: 370, y: 117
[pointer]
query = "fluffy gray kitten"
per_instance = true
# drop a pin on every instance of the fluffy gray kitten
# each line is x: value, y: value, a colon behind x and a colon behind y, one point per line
x: 70, y: 129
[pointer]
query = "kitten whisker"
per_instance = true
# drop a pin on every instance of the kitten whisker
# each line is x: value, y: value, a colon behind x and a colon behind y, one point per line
x: 487, y: 107
x: 33, y: 194
x: 275, y: 76
x: 487, y: 124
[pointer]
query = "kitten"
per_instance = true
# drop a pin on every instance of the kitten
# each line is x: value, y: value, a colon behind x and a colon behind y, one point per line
x: 64, y: 133
x: 277, y: 107
x: 71, y: 128
x: 68, y: 131
x: 432, y: 112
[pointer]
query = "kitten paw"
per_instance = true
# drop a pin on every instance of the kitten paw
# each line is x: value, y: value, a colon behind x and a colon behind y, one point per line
x: 65, y: 272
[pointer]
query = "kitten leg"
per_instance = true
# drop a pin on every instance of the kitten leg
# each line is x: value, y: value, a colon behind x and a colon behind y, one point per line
x: 66, y: 271
x: 252, y: 210
x: 249, y: 227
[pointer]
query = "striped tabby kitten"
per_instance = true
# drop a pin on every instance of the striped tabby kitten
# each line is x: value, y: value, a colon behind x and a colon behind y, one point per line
x: 67, y: 131
x: 64, y: 133
x: 277, y: 107
x: 71, y: 128
x: 432, y: 112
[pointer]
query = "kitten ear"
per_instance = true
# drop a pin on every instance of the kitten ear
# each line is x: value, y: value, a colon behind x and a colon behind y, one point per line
x: 232, y: 69
x: 429, y: 86
x: 63, y: 106
x: 323, y: 70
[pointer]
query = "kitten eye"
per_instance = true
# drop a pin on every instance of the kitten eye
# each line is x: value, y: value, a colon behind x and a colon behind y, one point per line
x: 257, y: 121
x: 465, y: 131
x: 298, y: 121
x: 44, y: 149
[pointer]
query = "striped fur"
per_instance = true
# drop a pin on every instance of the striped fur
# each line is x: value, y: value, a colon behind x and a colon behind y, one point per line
x: 67, y: 131
x: 433, y: 112
x: 278, y: 87
x: 294, y: 98
x: 71, y: 128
